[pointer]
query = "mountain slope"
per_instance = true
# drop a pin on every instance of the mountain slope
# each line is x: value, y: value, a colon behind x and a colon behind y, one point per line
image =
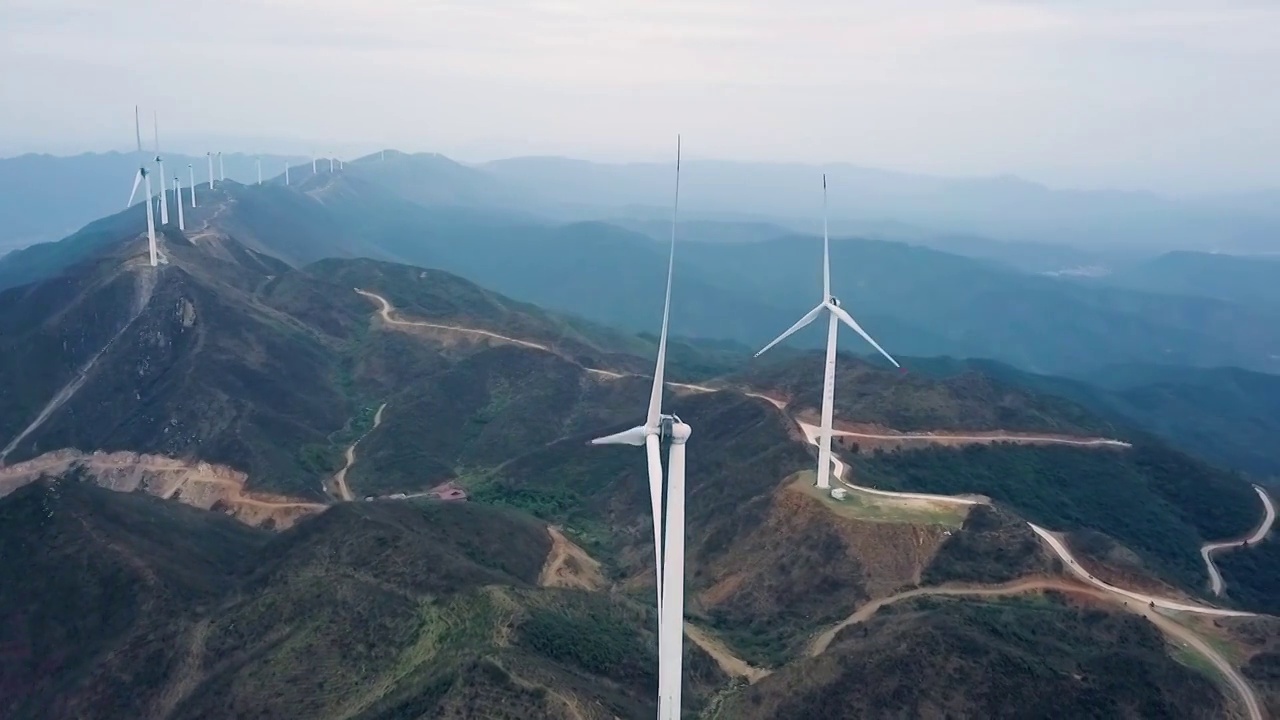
x: 1243, y: 280
x: 1013, y: 659
x: 371, y: 610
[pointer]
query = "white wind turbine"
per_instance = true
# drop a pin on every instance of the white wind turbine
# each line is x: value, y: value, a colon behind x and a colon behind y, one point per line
x: 164, y: 198
x: 668, y: 555
x: 144, y: 177
x: 313, y: 164
x: 286, y: 172
x: 837, y: 315
x: 258, y: 160
x: 330, y: 164
x: 209, y: 155
x: 191, y: 172
x: 222, y: 170
x: 177, y: 196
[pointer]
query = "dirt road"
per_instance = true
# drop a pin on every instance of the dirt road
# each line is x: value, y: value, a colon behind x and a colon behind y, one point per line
x: 340, y: 478
x: 199, y: 484
x: 1171, y: 629
x: 1207, y: 552
x: 731, y: 664
x: 388, y: 308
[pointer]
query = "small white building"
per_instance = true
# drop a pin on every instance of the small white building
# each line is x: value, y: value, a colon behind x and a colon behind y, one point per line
x: 838, y: 493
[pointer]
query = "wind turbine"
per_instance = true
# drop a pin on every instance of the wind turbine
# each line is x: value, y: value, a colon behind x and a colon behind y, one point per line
x: 177, y: 195
x: 313, y: 164
x: 836, y: 315
x: 668, y: 555
x: 258, y: 160
x: 144, y: 177
x: 164, y: 198
x: 330, y: 164
x: 191, y: 171
x: 222, y: 170
x: 210, y: 156
x: 286, y: 172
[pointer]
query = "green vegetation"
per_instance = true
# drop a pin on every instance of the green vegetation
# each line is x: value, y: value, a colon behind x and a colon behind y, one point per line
x: 373, y: 610
x: 924, y: 400
x: 992, y: 547
x: 1252, y: 576
x: 874, y: 508
x: 1159, y: 503
x: 1001, y: 659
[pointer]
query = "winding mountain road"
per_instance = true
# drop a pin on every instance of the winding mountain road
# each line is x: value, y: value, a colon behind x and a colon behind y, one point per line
x: 1170, y: 628
x: 340, y: 478
x: 1206, y: 552
x: 388, y: 308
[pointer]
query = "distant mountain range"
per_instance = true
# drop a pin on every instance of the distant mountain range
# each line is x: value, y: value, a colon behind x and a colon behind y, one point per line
x: 46, y: 197
x: 916, y: 300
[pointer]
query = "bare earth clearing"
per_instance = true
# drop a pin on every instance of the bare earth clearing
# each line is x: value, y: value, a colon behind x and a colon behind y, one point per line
x: 195, y: 483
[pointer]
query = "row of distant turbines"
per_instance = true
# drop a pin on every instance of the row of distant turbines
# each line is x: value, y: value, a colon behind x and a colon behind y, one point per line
x: 143, y: 178
x: 669, y: 512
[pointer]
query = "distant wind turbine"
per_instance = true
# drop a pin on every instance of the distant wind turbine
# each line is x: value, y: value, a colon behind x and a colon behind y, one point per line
x: 144, y: 177
x: 340, y: 165
x: 313, y: 164
x: 286, y: 172
x: 330, y: 164
x: 258, y: 160
x: 836, y: 315
x: 210, y: 156
x: 668, y: 555
x: 222, y: 170
x: 191, y: 171
x: 164, y: 198
x: 177, y: 195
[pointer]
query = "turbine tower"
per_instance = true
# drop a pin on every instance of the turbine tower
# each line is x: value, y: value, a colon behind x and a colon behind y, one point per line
x: 668, y: 554
x: 177, y: 196
x: 286, y: 172
x: 144, y: 177
x: 210, y: 156
x: 836, y: 315
x: 313, y: 164
x: 258, y: 160
x: 164, y: 198
x: 330, y: 164
x: 191, y: 172
x: 222, y: 170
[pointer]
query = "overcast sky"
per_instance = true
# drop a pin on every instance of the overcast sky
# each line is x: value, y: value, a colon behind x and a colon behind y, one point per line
x: 1172, y: 95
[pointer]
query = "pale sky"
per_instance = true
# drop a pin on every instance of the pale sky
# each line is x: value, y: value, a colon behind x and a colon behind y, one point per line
x: 1170, y: 95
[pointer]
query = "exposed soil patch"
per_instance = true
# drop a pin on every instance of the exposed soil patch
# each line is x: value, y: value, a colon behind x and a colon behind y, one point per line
x: 569, y: 566
x: 200, y: 484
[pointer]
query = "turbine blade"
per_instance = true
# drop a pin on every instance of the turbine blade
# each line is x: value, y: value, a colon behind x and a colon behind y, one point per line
x: 137, y: 180
x: 808, y: 318
x: 826, y: 245
x: 659, y: 370
x: 653, y: 459
x: 137, y: 127
x: 634, y: 436
x: 847, y: 319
